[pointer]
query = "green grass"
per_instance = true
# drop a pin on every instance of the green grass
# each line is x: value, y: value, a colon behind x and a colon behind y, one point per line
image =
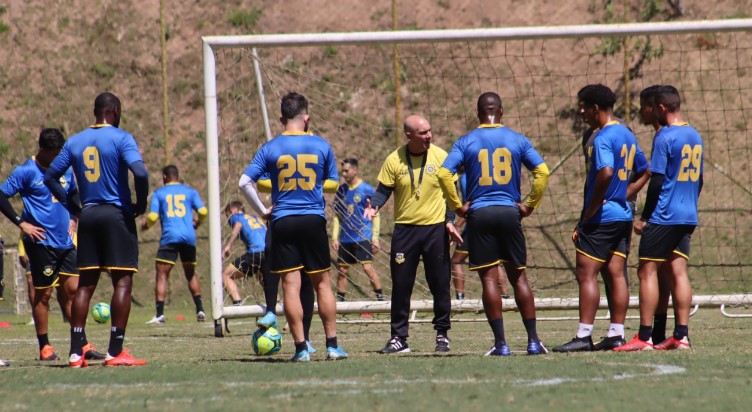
x: 188, y: 367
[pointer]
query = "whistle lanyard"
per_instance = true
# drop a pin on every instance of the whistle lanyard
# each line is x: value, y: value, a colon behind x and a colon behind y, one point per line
x: 410, y: 171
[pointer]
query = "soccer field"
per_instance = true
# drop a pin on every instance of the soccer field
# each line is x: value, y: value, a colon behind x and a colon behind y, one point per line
x: 189, y: 368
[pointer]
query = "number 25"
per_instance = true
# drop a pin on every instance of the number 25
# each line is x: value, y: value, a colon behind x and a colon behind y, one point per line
x: 288, y: 165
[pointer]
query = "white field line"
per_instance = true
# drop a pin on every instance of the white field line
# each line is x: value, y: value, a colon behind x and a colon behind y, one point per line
x: 653, y: 370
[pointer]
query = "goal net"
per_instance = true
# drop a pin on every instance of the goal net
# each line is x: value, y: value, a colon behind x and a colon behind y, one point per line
x: 355, y: 80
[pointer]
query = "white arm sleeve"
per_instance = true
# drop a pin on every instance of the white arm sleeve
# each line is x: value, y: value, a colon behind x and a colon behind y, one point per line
x: 250, y: 193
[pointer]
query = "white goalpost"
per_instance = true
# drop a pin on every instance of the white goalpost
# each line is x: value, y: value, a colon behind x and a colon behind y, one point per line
x: 350, y: 82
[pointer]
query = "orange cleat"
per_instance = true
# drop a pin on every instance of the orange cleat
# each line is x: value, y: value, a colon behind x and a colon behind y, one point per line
x: 48, y: 353
x: 635, y: 345
x: 77, y: 361
x: 673, y: 343
x: 123, y: 359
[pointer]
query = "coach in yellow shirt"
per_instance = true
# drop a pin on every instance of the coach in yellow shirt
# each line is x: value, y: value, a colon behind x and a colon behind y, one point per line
x: 422, y: 228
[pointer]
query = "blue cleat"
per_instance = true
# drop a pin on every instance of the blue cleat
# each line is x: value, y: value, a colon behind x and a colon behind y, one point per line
x: 310, y: 348
x: 502, y: 350
x: 268, y: 321
x: 302, y: 356
x: 536, y: 348
x: 335, y: 353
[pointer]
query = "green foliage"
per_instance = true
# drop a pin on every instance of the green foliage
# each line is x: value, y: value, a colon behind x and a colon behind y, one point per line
x: 103, y: 70
x: 330, y: 51
x: 4, y: 28
x: 245, y: 19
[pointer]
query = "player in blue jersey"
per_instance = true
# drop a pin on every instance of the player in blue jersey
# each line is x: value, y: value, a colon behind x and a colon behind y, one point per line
x: 101, y: 157
x: 493, y: 156
x: 668, y: 220
x: 252, y: 231
x: 301, y: 167
x: 355, y: 238
x: 602, y: 235
x: 173, y: 205
x: 48, y: 236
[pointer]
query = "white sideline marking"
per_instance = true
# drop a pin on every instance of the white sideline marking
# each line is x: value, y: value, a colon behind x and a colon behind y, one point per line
x: 656, y: 370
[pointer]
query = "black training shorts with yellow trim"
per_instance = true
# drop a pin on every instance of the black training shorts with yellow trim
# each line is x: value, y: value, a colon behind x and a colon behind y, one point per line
x: 47, y: 263
x: 356, y: 252
x: 169, y: 253
x: 299, y: 242
x: 601, y: 240
x: 495, y: 236
x: 107, y: 239
x: 249, y: 263
x: 658, y: 242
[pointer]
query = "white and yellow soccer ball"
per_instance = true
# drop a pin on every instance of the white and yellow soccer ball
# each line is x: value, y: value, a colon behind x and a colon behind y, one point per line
x: 101, y: 312
x: 266, y: 341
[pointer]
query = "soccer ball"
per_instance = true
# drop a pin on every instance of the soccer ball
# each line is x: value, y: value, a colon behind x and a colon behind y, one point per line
x: 266, y: 341
x: 101, y: 312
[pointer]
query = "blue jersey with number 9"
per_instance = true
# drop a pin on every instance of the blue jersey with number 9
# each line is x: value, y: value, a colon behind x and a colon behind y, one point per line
x: 100, y: 156
x: 298, y: 163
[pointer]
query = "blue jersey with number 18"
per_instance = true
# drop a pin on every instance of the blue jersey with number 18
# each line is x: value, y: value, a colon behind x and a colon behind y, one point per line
x: 678, y: 155
x: 100, y: 156
x: 298, y: 163
x: 493, y: 156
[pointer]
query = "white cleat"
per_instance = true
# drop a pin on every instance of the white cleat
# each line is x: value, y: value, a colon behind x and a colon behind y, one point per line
x: 157, y: 319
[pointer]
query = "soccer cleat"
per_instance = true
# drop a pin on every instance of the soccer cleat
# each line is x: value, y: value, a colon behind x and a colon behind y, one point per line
x: 536, y: 348
x: 268, y: 321
x: 157, y: 319
x: 635, y: 345
x: 201, y: 316
x: 123, y: 359
x: 310, y: 348
x: 77, y: 361
x: 442, y: 344
x: 302, y: 356
x: 4, y: 362
x: 396, y: 345
x: 90, y: 353
x: 501, y: 350
x: 576, y: 345
x: 335, y: 353
x: 610, y: 343
x: 672, y: 343
x: 48, y: 353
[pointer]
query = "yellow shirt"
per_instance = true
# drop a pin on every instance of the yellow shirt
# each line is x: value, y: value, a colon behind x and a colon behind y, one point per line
x: 430, y: 206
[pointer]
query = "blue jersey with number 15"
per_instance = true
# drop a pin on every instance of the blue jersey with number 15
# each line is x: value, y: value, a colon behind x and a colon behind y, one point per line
x: 493, y: 156
x: 298, y: 163
x: 175, y: 203
x: 100, y: 156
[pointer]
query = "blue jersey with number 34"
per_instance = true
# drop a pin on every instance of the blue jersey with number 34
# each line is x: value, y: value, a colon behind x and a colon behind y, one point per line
x: 100, y: 156
x: 297, y: 164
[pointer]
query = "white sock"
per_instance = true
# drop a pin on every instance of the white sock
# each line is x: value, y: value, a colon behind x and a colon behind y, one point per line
x: 615, y: 329
x: 584, y: 330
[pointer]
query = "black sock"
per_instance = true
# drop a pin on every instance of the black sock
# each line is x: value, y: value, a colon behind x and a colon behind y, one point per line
x: 307, y: 326
x: 331, y: 342
x: 300, y: 346
x: 43, y: 341
x: 307, y: 299
x: 117, y: 336
x: 379, y: 294
x: 645, y: 332
x: 78, y: 340
x: 237, y: 302
x: 442, y: 332
x: 160, y: 308
x: 681, y: 331
x: 497, y: 326
x: 460, y: 295
x: 199, y: 305
x: 659, y: 327
x: 340, y: 296
x: 532, y: 330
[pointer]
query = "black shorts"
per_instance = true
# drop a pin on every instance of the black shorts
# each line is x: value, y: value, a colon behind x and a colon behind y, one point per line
x: 495, y: 236
x: 48, y: 262
x: 169, y: 253
x: 107, y: 239
x: 463, y: 247
x: 658, y: 242
x: 350, y: 253
x: 299, y: 242
x: 601, y: 240
x: 249, y: 263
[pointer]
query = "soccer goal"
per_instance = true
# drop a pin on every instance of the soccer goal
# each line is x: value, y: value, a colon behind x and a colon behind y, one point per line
x: 361, y: 84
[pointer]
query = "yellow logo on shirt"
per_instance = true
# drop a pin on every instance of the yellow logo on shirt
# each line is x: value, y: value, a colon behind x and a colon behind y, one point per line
x: 357, y: 198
